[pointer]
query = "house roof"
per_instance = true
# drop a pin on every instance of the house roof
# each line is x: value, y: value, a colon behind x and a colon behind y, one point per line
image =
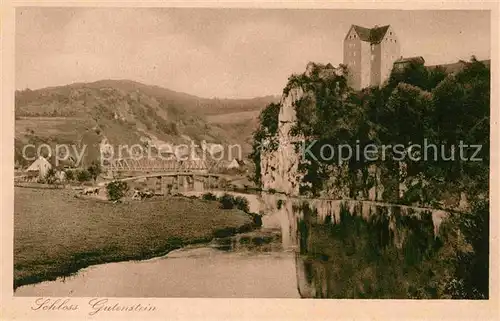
x: 70, y: 161
x: 418, y: 59
x: 455, y: 67
x: 233, y: 164
x: 40, y: 162
x: 373, y: 35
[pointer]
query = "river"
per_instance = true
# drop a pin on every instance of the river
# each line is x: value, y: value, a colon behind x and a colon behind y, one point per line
x: 194, y: 271
x: 323, y: 249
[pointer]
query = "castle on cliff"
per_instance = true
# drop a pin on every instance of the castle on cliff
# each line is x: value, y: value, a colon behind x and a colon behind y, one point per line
x: 369, y: 55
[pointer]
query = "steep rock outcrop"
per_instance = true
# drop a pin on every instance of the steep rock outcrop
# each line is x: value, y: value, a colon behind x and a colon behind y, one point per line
x: 280, y: 164
x: 281, y: 158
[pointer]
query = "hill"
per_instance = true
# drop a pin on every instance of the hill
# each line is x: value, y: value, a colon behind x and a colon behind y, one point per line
x: 127, y: 112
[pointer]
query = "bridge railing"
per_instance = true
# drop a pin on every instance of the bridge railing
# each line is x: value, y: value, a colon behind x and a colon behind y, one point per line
x: 143, y: 165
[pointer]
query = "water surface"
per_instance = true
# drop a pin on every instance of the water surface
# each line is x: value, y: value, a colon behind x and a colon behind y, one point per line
x: 325, y: 249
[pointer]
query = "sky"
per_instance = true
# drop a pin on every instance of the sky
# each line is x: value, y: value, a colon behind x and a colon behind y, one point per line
x: 224, y: 53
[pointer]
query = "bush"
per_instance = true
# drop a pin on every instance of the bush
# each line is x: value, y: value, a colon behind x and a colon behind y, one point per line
x: 241, y: 203
x: 116, y: 190
x: 209, y: 197
x: 83, y: 176
x: 69, y: 175
x: 257, y: 219
x: 94, y: 170
x: 226, y: 201
x: 50, y: 176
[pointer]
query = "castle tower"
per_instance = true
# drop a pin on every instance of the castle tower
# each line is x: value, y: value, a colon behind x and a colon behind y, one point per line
x: 369, y: 55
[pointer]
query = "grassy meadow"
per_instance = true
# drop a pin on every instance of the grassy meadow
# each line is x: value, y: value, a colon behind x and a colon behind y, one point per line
x: 56, y: 234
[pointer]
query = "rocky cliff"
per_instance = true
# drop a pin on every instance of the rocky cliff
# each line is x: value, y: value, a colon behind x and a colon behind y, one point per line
x: 279, y: 165
x: 282, y: 156
x: 318, y: 108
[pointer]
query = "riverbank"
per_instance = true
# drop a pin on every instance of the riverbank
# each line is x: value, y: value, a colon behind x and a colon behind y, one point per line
x: 195, y: 271
x: 56, y: 234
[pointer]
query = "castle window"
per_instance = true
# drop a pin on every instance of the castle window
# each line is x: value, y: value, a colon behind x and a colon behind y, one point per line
x: 354, y: 54
x: 373, y: 57
x: 390, y: 33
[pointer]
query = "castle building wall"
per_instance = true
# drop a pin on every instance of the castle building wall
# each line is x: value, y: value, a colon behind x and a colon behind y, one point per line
x: 365, y: 65
x: 376, y: 61
x: 352, y: 58
x: 390, y: 49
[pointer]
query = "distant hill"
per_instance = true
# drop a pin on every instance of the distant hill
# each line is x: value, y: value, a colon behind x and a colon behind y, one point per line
x: 127, y: 112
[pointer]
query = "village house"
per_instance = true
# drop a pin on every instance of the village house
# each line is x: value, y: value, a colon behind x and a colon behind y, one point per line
x: 233, y: 164
x: 402, y: 63
x: 39, y: 167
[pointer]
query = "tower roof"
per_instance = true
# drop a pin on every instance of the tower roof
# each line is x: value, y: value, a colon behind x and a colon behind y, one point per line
x: 372, y: 35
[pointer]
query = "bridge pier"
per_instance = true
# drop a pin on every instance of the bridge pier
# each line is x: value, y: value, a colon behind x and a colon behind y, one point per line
x: 164, y: 190
x: 198, y: 184
x: 182, y: 183
x: 158, y: 186
x: 190, y: 183
x: 176, y: 184
x: 211, y: 182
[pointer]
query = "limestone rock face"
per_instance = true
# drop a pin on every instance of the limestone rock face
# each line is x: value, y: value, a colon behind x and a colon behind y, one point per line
x: 279, y: 167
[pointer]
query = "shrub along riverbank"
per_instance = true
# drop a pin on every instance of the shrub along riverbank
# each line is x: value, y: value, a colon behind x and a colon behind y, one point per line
x: 56, y: 234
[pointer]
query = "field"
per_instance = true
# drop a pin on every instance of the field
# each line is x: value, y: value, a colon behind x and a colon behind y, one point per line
x: 235, y: 117
x: 56, y: 234
x: 65, y: 129
x: 237, y: 127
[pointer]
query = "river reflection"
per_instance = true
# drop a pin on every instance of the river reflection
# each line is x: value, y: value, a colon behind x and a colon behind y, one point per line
x: 362, y: 249
x: 329, y: 249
